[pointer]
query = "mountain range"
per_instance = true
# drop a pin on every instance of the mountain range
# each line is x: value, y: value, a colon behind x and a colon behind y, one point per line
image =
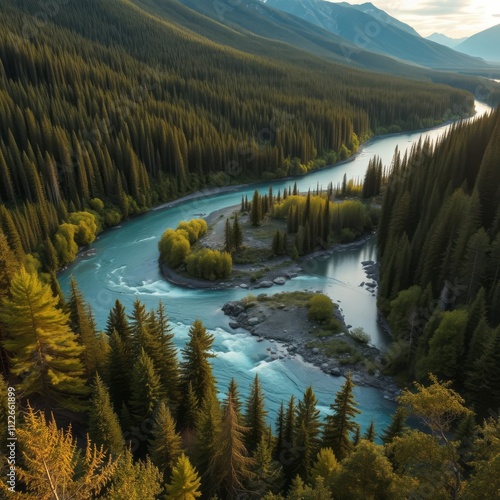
x: 446, y: 40
x: 485, y: 44
x: 370, y: 29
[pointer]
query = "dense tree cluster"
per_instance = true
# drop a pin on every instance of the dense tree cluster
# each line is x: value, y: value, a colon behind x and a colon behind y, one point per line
x: 439, y: 241
x: 175, y: 250
x: 175, y: 244
x: 156, y: 427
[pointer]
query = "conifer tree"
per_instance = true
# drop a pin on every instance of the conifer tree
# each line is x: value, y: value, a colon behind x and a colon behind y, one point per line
x: 118, y: 371
x: 208, y: 424
x: 234, y: 394
x: 104, y: 426
x: 165, y: 445
x: 265, y: 472
x: 185, y: 483
x: 237, y: 233
x: 341, y: 423
x: 280, y: 431
x: 164, y: 355
x: 255, y: 416
x: 195, y: 368
x: 307, y: 432
x: 189, y: 408
x: 256, y: 209
x: 230, y: 465
x: 146, y: 390
x: 370, y: 433
x: 117, y: 320
x: 397, y: 426
x: 483, y: 382
x: 82, y: 324
x: 288, y: 455
x: 228, y: 237
x: 43, y: 350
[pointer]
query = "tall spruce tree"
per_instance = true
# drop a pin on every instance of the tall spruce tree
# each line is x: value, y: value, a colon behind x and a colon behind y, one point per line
x: 196, y: 368
x: 82, y: 324
x: 307, y: 432
x: 165, y: 445
x: 164, y: 354
x: 340, y: 424
x: 230, y: 464
x: 104, y: 426
x: 146, y: 390
x: 237, y: 233
x: 255, y: 416
x: 43, y: 351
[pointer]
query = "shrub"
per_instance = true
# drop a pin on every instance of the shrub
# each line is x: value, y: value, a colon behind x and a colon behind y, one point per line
x: 359, y: 335
x: 320, y: 307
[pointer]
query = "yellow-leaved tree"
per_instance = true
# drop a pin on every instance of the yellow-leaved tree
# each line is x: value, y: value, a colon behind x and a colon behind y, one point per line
x: 42, y: 349
x: 52, y: 466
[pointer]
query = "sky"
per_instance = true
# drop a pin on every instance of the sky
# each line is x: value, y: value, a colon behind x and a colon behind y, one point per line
x: 453, y: 18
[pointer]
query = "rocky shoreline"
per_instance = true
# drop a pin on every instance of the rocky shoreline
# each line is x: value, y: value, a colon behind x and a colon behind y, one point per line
x: 289, y: 328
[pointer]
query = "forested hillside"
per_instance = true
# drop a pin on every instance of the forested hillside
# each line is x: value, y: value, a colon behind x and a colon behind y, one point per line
x: 439, y: 242
x: 107, y: 110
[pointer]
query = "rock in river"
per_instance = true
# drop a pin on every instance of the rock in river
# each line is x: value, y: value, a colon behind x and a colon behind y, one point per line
x: 279, y: 281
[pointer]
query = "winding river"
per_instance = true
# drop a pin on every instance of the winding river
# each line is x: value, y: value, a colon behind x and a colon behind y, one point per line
x: 125, y: 266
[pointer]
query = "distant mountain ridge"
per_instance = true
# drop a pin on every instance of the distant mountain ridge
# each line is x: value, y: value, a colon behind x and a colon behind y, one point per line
x: 485, y: 44
x: 446, y: 40
x: 384, y: 35
x: 382, y: 15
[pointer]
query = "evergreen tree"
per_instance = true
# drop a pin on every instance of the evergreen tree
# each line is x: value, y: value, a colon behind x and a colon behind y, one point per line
x: 255, y: 416
x: 104, y: 426
x: 165, y: 445
x: 341, y: 423
x: 307, y: 432
x: 397, y: 426
x: 118, y: 371
x: 208, y: 424
x: 82, y: 324
x: 43, y: 350
x: 146, y: 390
x: 189, y: 408
x: 185, y: 482
x: 230, y: 465
x: 234, y: 394
x: 228, y: 237
x: 483, y: 382
x: 370, y: 433
x: 256, y: 209
x: 195, y: 368
x: 280, y: 431
x: 117, y: 320
x: 164, y: 354
x: 237, y: 233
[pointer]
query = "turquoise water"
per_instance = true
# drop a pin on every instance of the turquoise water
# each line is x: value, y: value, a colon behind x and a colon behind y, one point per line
x: 125, y: 267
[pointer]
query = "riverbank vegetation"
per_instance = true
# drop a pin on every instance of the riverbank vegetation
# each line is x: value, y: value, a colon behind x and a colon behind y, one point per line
x: 155, y: 426
x: 439, y: 243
